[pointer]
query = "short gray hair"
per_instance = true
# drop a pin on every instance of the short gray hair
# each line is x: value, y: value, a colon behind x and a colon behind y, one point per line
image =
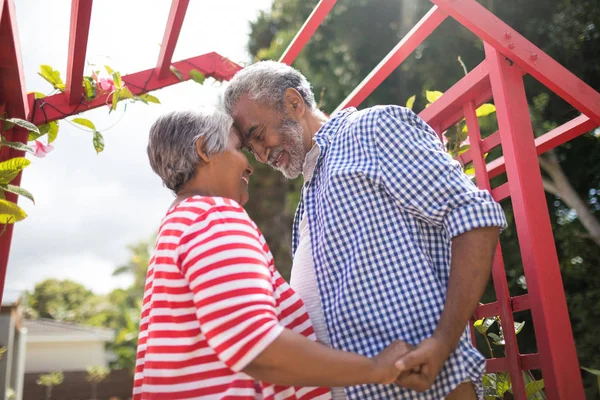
x: 266, y: 82
x: 172, y: 143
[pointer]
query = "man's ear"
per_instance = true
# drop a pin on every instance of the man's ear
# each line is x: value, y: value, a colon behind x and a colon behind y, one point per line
x: 294, y: 103
x: 200, y: 150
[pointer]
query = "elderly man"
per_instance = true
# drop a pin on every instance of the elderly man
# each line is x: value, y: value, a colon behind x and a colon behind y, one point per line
x: 391, y: 240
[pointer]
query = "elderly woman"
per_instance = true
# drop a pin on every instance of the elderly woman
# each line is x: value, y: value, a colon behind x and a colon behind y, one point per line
x: 218, y: 321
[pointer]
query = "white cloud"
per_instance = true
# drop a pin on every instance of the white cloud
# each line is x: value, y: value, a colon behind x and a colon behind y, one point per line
x: 89, y: 207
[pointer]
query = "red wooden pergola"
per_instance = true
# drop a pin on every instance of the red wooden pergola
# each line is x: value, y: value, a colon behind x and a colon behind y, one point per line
x: 508, y: 56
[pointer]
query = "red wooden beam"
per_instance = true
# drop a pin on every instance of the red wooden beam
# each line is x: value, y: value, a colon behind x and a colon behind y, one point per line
x: 557, y: 136
x: 174, y: 23
x: 13, y: 101
x: 399, y: 53
x: 558, y: 358
x: 528, y: 362
x: 57, y: 107
x: 448, y: 109
x: 505, y: 311
x: 522, y: 52
x: 308, y: 29
x: 81, y: 13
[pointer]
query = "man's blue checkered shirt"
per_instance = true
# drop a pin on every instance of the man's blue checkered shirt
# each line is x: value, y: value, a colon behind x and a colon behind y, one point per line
x: 383, y: 204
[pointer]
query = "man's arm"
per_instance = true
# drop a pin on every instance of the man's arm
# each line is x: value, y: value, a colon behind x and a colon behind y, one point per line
x: 416, y: 170
x: 472, y: 254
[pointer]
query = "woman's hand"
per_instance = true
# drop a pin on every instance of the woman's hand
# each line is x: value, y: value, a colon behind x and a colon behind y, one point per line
x: 384, y: 369
x: 294, y: 360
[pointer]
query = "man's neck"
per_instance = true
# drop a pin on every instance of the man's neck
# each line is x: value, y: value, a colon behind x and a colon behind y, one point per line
x: 314, y: 121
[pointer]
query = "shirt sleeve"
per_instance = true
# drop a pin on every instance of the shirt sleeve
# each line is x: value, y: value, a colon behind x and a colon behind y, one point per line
x: 224, y: 262
x: 415, y: 169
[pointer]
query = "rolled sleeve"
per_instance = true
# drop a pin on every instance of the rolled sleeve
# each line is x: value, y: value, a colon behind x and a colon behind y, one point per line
x: 415, y: 169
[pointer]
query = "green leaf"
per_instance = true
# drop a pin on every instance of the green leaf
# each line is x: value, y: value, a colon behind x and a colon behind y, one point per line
x: 109, y: 70
x: 411, y: 102
x: 23, y: 124
x: 534, y: 387
x: 485, y: 109
x: 463, y: 148
x: 53, y: 131
x: 595, y: 372
x: 117, y: 80
x: 503, y: 384
x: 115, y: 100
x: 90, y: 91
x: 470, y: 170
x: 149, y: 98
x: 17, y: 146
x: 498, y: 341
x: 482, y: 325
x: 125, y: 93
x: 177, y: 73
x: 7, y: 125
x: 52, y: 76
x: 10, y: 212
x: 98, y: 142
x: 465, y: 129
x: 38, y: 95
x: 519, y: 327
x: 85, y: 122
x: 196, y: 76
x: 433, y: 95
x: 18, y: 190
x: 9, y: 169
x: 51, y: 128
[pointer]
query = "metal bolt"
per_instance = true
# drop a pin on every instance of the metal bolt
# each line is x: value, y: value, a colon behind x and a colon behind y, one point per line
x: 511, y: 45
x: 507, y: 35
x: 534, y: 56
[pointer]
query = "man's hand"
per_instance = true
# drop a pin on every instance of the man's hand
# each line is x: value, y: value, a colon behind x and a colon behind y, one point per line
x: 421, y: 366
x: 384, y: 368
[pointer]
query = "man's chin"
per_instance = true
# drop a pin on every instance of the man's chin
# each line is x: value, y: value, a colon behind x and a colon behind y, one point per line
x: 288, y: 175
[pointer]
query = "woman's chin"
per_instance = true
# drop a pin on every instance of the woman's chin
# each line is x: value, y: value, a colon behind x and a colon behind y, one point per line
x: 244, y: 199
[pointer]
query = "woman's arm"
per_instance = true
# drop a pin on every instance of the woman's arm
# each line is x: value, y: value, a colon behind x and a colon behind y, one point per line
x: 294, y: 360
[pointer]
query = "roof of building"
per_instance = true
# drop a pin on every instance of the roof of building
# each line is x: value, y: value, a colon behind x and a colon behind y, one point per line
x: 48, y: 330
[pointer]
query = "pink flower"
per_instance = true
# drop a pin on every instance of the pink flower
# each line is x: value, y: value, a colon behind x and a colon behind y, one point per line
x: 108, y: 85
x: 41, y: 149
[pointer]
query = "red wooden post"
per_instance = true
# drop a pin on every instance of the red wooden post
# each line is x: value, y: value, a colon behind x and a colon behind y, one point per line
x: 81, y: 13
x: 498, y: 272
x: 167, y: 47
x: 559, y: 363
x: 13, y: 99
x: 308, y: 29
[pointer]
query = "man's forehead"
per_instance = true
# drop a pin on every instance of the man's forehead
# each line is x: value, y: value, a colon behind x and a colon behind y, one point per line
x: 248, y: 114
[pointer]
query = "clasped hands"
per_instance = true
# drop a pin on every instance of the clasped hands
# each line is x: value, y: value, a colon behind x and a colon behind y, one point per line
x: 412, y: 367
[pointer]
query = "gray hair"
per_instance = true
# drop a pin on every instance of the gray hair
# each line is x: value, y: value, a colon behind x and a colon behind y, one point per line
x: 172, y: 143
x: 266, y: 82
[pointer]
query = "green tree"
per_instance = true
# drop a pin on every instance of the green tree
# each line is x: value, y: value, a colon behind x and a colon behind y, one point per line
x: 95, y: 375
x: 60, y: 300
x: 49, y: 381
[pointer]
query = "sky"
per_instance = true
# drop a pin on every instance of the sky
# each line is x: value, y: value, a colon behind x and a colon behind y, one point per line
x: 89, y: 207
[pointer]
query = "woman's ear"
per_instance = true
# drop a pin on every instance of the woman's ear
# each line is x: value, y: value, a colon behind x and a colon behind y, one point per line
x: 200, y: 150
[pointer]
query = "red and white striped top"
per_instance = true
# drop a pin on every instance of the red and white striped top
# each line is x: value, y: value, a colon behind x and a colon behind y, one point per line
x: 213, y: 302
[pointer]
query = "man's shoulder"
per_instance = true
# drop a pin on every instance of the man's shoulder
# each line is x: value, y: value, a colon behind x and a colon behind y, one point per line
x: 372, y: 117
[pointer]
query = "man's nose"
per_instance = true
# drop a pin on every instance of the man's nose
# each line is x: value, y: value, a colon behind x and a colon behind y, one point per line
x: 261, y: 154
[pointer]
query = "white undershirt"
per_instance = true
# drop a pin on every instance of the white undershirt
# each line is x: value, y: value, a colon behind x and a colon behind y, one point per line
x: 303, y: 278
